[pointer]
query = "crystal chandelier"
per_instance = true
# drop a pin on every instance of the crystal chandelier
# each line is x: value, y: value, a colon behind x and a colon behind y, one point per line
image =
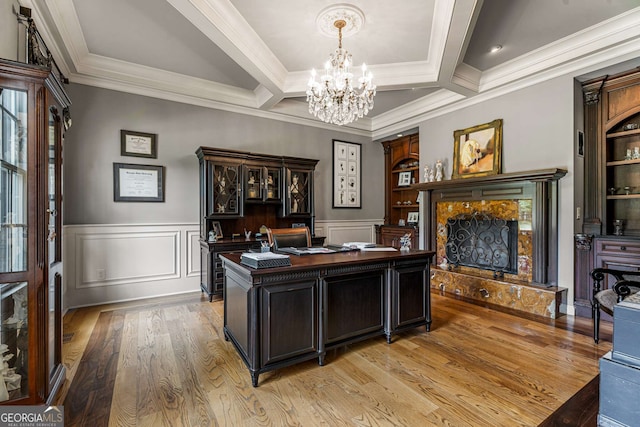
x: 334, y: 99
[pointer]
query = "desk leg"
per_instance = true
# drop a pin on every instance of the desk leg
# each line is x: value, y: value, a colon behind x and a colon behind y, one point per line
x: 321, y: 360
x: 388, y: 338
x: 254, y: 378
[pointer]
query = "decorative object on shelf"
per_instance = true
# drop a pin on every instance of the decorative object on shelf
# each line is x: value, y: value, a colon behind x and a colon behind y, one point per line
x: 334, y: 99
x: 138, y: 183
x: 618, y: 227
x: 477, y: 150
x: 427, y: 171
x: 628, y: 156
x: 404, y: 179
x: 612, y: 190
x: 630, y: 126
x: 439, y: 170
x: 405, y: 242
x: 636, y: 153
x: 401, y: 222
x: 217, y: 229
x: 412, y: 217
x: 347, y: 173
x: 247, y: 234
x: 138, y: 144
x: 212, y: 236
x: 627, y: 190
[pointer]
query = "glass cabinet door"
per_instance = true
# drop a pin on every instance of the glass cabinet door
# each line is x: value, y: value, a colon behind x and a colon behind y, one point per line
x: 272, y: 185
x: 262, y: 184
x: 13, y: 181
x: 298, y: 192
x: 54, y: 248
x: 254, y: 182
x: 14, y: 339
x: 225, y: 200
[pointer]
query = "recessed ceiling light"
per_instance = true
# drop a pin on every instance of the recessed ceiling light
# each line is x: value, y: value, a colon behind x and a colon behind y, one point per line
x: 495, y: 48
x: 399, y: 135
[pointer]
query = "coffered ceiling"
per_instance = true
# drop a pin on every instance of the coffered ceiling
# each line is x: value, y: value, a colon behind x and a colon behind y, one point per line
x: 254, y: 56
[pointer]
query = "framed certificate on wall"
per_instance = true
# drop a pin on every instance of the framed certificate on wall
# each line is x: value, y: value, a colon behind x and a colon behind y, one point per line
x: 138, y: 183
x: 138, y: 144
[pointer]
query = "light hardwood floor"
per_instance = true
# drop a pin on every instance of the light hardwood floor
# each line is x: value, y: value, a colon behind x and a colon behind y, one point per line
x: 164, y: 362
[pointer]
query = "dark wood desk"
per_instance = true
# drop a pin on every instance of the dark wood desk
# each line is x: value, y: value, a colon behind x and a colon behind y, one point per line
x: 277, y: 317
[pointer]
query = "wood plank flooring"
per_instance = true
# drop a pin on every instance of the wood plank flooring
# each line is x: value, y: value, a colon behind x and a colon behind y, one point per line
x: 164, y: 362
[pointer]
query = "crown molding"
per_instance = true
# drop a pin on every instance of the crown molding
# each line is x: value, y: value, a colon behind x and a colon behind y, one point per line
x: 154, y: 79
x: 587, y: 42
x: 65, y: 19
x: 221, y: 22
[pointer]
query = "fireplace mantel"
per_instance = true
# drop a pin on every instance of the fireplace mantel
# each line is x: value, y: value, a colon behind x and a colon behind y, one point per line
x: 532, y: 176
x: 539, y: 186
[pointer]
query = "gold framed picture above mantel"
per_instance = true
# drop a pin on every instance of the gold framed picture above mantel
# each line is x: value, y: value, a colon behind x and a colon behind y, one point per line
x: 477, y: 151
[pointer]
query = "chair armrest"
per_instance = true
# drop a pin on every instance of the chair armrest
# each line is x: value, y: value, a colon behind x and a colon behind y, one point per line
x: 623, y: 288
x: 622, y: 285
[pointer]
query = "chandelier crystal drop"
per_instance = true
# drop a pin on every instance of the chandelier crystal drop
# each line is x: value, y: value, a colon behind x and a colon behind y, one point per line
x: 334, y: 99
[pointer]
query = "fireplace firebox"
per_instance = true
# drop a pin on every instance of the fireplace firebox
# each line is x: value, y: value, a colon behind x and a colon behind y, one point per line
x: 483, y: 241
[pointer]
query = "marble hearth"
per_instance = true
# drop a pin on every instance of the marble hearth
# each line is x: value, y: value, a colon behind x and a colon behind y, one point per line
x: 530, y: 198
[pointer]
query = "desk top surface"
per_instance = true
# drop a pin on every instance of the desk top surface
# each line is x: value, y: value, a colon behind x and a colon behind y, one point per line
x: 306, y: 262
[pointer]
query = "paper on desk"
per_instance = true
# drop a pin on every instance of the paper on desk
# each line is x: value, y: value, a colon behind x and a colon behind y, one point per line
x: 359, y: 245
x: 379, y: 249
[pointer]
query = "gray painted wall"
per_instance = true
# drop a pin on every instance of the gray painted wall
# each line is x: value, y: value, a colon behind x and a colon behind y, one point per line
x: 8, y: 30
x: 92, y: 145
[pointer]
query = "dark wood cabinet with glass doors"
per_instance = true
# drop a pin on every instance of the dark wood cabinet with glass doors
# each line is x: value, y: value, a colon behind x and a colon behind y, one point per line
x: 609, y: 236
x: 239, y: 193
x: 33, y: 114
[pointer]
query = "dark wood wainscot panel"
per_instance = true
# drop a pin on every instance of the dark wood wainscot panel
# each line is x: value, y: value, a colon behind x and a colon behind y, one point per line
x: 277, y: 317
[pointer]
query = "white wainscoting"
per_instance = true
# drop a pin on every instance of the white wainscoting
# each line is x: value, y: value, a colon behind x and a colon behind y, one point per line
x: 112, y: 263
x: 338, y: 232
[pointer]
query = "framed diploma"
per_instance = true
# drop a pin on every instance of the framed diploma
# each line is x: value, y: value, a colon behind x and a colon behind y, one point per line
x: 138, y: 183
x: 138, y: 144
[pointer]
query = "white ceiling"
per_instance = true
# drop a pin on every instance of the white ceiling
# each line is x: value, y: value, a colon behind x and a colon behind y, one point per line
x: 254, y: 56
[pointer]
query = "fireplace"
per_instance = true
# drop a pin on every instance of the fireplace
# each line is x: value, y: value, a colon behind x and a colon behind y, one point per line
x: 483, y: 241
x: 495, y: 239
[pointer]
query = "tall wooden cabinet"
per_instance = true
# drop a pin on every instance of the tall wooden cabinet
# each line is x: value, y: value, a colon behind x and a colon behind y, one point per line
x: 241, y: 192
x: 33, y: 108
x: 402, y: 168
x: 610, y: 235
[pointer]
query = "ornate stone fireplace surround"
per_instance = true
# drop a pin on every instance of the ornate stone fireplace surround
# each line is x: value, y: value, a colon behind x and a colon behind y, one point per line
x: 531, y: 199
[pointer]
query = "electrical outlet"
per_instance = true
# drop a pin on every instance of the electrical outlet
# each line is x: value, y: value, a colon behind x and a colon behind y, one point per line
x: 101, y: 273
x: 578, y: 212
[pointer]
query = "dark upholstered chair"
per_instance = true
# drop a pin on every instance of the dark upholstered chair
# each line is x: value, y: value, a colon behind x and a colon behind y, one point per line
x: 299, y: 237
x: 627, y: 283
